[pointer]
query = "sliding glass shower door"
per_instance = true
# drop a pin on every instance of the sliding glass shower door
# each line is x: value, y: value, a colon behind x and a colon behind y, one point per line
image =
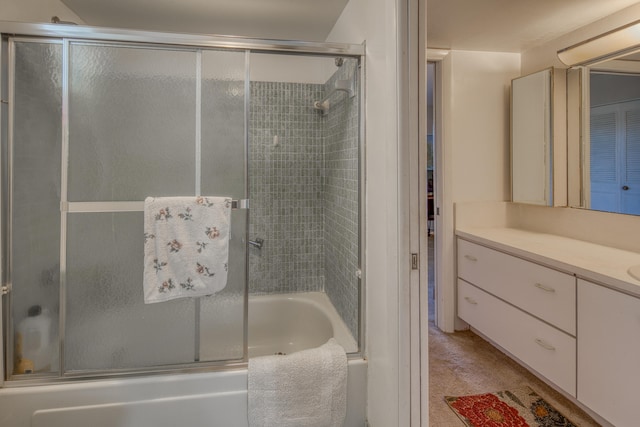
x: 33, y: 252
x: 96, y: 128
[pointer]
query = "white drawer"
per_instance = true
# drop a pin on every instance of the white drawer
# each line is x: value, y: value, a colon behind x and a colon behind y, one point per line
x: 544, y: 348
x: 546, y: 293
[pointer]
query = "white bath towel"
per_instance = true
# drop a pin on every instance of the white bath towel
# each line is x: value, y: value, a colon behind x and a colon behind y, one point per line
x: 186, y: 248
x: 303, y: 389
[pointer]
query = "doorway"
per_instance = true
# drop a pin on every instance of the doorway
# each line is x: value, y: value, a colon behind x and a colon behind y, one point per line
x: 430, y: 188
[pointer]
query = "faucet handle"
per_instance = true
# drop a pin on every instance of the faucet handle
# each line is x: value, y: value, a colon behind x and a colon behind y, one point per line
x: 257, y: 243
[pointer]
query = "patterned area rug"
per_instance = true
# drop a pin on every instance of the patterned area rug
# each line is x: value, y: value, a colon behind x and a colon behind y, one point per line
x: 508, y: 408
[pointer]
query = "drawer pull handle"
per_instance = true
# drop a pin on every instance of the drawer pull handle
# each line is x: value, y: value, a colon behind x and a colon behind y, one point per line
x: 471, y: 258
x: 545, y: 288
x: 471, y: 300
x: 544, y: 344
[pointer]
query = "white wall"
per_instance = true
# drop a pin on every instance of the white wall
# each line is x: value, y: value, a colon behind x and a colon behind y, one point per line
x: 475, y: 148
x: 36, y: 11
x: 479, y: 118
x: 375, y: 22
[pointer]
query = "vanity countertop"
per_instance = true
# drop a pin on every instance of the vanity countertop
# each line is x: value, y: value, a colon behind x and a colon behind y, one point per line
x: 602, y: 264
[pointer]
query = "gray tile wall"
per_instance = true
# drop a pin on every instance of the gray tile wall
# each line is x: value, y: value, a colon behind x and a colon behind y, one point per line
x: 304, y: 192
x: 340, y: 195
x: 285, y: 188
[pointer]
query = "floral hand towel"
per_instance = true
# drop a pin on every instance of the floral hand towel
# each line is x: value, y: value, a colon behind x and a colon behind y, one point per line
x: 186, y: 246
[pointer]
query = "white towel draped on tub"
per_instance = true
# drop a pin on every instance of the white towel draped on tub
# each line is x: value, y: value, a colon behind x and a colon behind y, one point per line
x: 186, y: 247
x: 303, y: 389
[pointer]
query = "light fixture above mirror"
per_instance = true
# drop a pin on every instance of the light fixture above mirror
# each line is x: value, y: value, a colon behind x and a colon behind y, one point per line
x: 604, y: 47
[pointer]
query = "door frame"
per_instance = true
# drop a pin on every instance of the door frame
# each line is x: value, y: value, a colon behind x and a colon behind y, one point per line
x: 412, y: 268
x: 444, y: 308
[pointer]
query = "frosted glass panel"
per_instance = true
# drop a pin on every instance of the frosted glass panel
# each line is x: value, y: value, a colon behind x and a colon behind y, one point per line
x: 222, y: 316
x: 132, y: 114
x: 223, y: 123
x: 108, y: 326
x: 223, y: 173
x: 35, y: 204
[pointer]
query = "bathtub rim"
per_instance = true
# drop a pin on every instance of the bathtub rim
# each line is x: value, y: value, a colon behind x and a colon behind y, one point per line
x: 122, y: 376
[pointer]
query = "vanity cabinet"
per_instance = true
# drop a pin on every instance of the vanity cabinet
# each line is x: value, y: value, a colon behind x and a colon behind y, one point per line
x: 609, y: 352
x: 526, y: 308
x: 541, y: 291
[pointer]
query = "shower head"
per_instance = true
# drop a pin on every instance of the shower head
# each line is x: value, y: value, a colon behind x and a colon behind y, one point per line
x: 56, y: 20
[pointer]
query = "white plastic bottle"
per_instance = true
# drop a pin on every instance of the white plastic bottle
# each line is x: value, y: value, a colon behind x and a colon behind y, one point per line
x: 35, y: 332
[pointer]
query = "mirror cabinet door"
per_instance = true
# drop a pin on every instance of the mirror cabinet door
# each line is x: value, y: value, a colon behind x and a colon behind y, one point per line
x: 531, y: 139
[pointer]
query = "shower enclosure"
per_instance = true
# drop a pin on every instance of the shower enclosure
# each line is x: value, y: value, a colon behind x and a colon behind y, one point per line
x: 94, y: 121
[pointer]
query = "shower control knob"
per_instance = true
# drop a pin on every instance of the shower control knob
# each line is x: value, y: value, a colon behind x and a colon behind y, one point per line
x: 256, y: 243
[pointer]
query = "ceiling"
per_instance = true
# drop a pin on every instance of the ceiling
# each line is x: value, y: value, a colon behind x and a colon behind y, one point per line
x: 493, y: 25
x: 510, y: 25
x: 309, y: 20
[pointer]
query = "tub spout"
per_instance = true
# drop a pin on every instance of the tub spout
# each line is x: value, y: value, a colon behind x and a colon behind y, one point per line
x: 257, y: 243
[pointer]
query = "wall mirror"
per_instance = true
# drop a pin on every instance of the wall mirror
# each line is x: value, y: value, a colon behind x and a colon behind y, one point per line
x: 531, y: 139
x: 607, y: 177
x: 604, y: 102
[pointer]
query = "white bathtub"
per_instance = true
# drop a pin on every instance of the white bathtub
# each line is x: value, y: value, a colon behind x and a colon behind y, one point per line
x: 284, y: 323
x: 292, y: 322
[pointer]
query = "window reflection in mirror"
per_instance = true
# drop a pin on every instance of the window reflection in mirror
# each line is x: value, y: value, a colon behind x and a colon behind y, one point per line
x: 611, y: 146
